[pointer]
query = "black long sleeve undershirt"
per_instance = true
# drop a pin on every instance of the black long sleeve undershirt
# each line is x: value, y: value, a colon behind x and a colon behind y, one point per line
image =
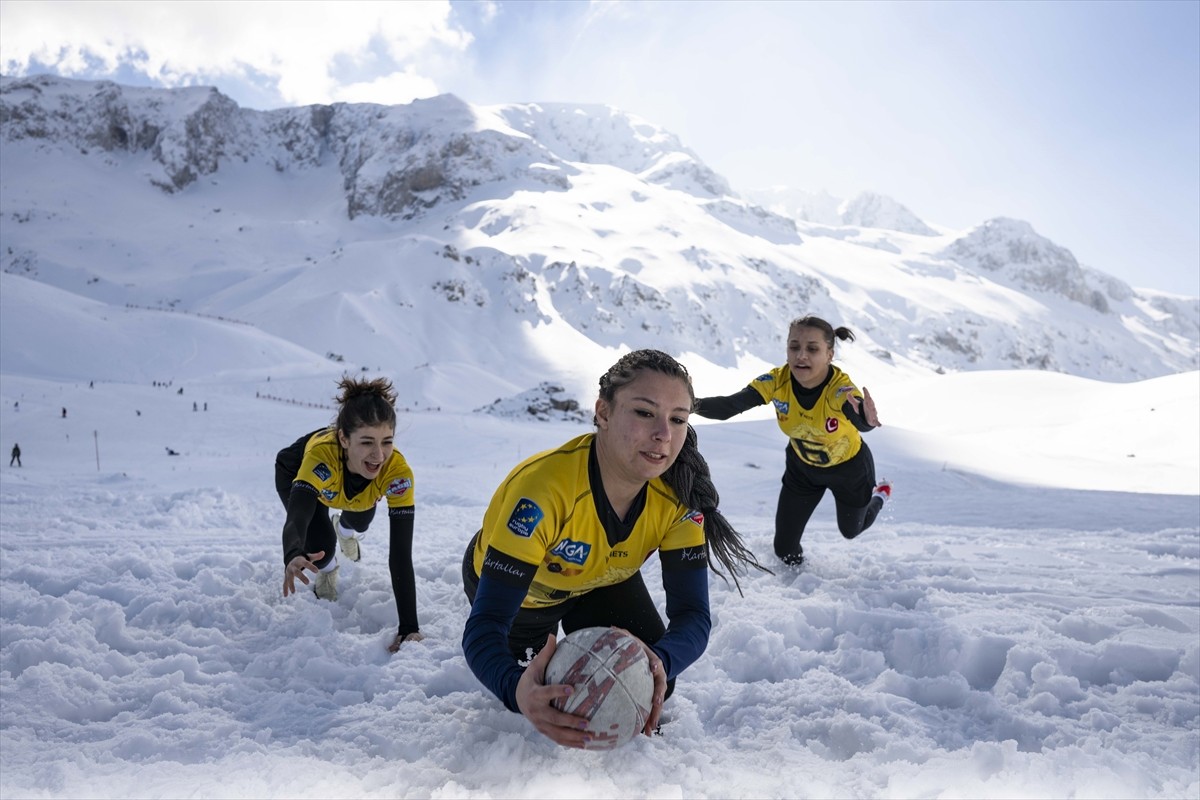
x: 400, y: 565
x: 727, y: 406
x: 302, y: 504
x: 730, y: 405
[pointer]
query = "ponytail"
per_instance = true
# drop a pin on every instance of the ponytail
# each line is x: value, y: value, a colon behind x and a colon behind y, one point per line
x: 691, y: 481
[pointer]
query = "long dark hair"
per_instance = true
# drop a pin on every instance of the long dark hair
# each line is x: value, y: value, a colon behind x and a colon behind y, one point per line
x: 363, y: 402
x: 689, y: 477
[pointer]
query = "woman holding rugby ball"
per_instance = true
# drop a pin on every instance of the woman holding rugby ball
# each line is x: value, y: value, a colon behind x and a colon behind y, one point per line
x: 565, y: 536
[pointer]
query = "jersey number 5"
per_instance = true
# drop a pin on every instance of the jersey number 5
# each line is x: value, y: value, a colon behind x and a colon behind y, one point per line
x: 812, y: 452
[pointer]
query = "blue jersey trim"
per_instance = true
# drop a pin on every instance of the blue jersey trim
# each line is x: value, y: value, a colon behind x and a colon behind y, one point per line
x: 485, y: 637
x: 688, y: 620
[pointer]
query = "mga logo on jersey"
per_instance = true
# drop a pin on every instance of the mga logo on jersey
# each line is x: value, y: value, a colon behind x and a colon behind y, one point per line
x: 329, y: 494
x: 572, y: 551
x: 399, y: 486
x: 765, y: 377
x: 781, y: 407
x: 696, y: 517
x: 525, y: 517
x: 831, y: 424
x: 322, y: 471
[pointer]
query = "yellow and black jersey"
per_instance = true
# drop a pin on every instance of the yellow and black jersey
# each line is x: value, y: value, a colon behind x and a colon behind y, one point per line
x: 323, y: 469
x: 821, y: 436
x: 545, y: 513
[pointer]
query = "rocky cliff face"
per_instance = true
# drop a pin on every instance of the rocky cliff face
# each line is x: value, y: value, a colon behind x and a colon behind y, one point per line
x: 187, y: 133
x: 395, y: 161
x: 1012, y: 250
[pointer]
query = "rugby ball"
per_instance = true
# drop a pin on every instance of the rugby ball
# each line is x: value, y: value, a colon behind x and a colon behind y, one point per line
x: 613, y: 685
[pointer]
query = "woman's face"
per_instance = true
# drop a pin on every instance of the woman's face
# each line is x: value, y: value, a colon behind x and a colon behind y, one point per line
x: 367, y: 449
x: 809, y: 356
x: 644, y: 427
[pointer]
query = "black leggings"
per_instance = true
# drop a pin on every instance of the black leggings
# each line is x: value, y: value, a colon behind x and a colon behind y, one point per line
x: 623, y: 605
x: 320, y: 535
x: 803, y: 487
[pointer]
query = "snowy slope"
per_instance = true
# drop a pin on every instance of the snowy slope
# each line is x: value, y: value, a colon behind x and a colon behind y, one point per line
x: 572, y: 230
x: 1021, y: 621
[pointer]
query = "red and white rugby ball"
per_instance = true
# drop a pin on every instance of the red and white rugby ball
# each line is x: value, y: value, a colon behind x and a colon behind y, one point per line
x: 613, y: 685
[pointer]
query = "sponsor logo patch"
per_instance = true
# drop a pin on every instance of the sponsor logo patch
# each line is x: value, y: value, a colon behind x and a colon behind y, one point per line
x: 766, y: 376
x: 399, y: 486
x: 525, y: 517
x: 831, y: 424
x: 696, y: 517
x: 572, y: 551
x: 322, y: 471
x: 329, y: 494
x: 781, y: 407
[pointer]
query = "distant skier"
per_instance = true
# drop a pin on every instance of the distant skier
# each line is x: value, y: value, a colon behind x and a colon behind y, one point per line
x: 64, y: 412
x: 171, y: 452
x: 823, y: 414
x: 16, y: 455
x: 349, y: 466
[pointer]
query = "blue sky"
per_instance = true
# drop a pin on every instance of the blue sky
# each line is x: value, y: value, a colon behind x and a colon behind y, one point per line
x: 1081, y: 117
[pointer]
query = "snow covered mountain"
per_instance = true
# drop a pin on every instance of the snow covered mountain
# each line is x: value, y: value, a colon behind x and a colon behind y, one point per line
x: 868, y: 210
x: 529, y: 241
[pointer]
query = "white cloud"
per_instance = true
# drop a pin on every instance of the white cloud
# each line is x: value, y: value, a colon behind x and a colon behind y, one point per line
x: 394, y: 89
x: 298, y: 45
x: 487, y: 10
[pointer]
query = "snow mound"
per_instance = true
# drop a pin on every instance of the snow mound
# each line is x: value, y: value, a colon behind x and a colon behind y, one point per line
x: 547, y: 402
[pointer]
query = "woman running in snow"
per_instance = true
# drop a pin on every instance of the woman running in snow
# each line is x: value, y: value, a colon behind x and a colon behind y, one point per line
x: 823, y: 414
x: 349, y: 466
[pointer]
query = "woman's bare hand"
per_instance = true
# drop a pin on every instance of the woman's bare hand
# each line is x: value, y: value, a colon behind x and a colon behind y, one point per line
x: 295, y: 569
x: 534, y: 698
